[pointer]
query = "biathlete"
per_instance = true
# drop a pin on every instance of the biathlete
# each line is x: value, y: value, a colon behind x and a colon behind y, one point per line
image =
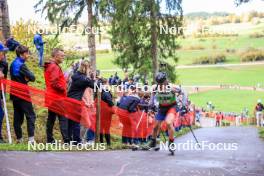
x: 165, y: 98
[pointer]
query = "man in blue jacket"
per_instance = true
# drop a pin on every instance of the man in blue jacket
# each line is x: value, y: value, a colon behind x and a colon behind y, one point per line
x: 38, y: 42
x: 3, y: 74
x: 20, y: 73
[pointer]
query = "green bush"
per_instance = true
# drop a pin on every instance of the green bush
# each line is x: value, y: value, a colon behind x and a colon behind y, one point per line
x: 214, y: 59
x: 252, y: 55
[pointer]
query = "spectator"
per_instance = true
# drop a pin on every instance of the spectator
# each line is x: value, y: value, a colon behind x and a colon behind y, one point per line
x: 128, y: 103
x: 20, y: 73
x: 12, y: 44
x: 110, y: 79
x: 80, y: 81
x: 3, y: 74
x: 129, y: 83
x: 197, y: 115
x: 88, y: 99
x: 106, y: 115
x: 259, y: 113
x: 144, y: 102
x: 218, y: 119
x: 55, y: 85
x: 39, y: 44
x: 115, y: 80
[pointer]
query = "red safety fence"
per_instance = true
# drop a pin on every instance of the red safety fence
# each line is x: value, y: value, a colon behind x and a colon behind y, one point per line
x: 230, y: 118
x: 136, y: 125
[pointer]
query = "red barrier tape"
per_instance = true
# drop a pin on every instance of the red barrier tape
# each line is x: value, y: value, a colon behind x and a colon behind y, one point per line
x: 135, y: 125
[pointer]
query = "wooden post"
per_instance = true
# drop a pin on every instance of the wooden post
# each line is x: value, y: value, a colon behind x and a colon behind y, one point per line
x: 98, y: 117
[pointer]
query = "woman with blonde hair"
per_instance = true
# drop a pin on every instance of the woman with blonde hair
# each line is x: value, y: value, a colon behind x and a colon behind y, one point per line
x: 80, y: 81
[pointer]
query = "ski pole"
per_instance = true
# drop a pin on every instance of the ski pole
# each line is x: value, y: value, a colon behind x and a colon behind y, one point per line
x: 190, y: 127
x: 140, y: 119
x: 6, y: 115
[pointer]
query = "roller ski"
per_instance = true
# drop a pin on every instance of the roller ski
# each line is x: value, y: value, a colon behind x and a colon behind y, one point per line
x: 150, y: 146
x: 171, y: 150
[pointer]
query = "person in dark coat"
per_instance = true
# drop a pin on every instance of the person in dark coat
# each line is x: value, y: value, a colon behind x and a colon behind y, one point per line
x: 106, y: 114
x: 130, y: 104
x: 20, y: 73
x: 80, y: 81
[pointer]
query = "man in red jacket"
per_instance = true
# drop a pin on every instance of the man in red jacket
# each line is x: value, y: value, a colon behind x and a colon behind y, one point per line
x: 55, y: 86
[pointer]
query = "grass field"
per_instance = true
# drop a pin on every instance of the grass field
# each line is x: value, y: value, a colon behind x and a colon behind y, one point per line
x: 243, y: 76
x: 228, y: 100
x: 186, y: 56
x: 210, y: 45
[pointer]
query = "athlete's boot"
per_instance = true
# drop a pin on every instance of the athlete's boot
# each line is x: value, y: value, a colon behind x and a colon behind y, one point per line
x: 151, y: 144
x: 171, y: 149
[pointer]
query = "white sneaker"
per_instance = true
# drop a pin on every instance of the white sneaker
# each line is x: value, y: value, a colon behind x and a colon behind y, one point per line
x: 31, y: 140
x: 90, y: 143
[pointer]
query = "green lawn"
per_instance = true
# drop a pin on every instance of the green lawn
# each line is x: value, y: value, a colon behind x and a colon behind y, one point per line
x: 243, y: 76
x: 186, y: 57
x: 228, y: 100
x: 211, y: 45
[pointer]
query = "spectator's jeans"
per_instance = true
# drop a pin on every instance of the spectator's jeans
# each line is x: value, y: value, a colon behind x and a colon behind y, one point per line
x: 217, y: 124
x: 90, y: 135
x: 63, y: 127
x: 1, y: 120
x: 74, y: 131
x: 83, y: 133
x: 21, y: 108
x: 40, y: 55
x: 259, y: 118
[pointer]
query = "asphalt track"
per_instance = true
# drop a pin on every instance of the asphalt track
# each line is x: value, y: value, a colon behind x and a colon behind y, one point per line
x: 248, y: 159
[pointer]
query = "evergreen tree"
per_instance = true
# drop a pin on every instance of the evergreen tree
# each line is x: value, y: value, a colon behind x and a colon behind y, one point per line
x: 137, y: 35
x: 68, y: 12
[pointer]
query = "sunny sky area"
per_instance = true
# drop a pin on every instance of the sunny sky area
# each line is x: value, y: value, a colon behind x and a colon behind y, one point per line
x: 24, y: 8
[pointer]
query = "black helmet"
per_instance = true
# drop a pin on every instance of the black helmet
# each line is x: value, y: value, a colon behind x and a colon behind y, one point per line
x: 161, y: 77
